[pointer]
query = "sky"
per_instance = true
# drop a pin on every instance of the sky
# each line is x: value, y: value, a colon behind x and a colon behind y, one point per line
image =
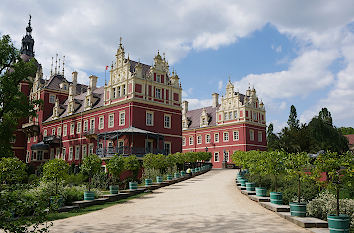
x: 294, y: 52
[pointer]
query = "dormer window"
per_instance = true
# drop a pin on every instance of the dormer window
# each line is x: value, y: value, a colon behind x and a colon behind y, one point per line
x: 51, y: 99
x: 63, y: 86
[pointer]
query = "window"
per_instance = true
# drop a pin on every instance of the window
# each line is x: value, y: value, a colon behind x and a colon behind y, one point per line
x: 207, y: 138
x: 91, y: 149
x: 52, y: 99
x: 63, y: 153
x: 40, y: 155
x: 28, y: 139
x: 35, y: 139
x: 84, y: 150
x: 71, y: 151
x: 92, y: 124
x: 118, y: 89
x: 226, y: 136
x: 101, y: 122
x: 167, y: 121
x: 158, y: 78
x: 27, y: 157
x: 191, y: 139
x: 226, y: 116
x: 251, y: 135
x: 216, y: 156
x: 167, y: 148
x: 216, y: 137
x: 226, y: 156
x: 51, y: 153
x: 53, y: 131
x: 57, y: 153
x: 260, y: 136
x: 85, y: 126
x: 235, y: 114
x: 72, y: 128
x: 236, y: 135
x: 34, y: 155
x: 65, y: 130
x: 114, y: 95
x: 44, y: 133
x: 183, y: 141
x: 122, y: 118
x: 149, y: 118
x: 230, y: 115
x: 254, y: 116
x: 123, y: 90
x: 78, y: 127
x: 199, y: 139
x: 77, y: 152
x: 111, y: 120
x: 59, y: 131
x: 158, y: 93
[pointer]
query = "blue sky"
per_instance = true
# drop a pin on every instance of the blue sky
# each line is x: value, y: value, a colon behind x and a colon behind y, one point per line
x: 293, y: 52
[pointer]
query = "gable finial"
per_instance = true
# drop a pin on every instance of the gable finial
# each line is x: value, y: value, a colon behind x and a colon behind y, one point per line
x: 56, y: 64
x: 59, y: 67
x: 51, y: 68
x: 63, y: 64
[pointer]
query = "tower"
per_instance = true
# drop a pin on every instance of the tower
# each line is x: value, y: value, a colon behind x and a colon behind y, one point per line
x: 28, y: 41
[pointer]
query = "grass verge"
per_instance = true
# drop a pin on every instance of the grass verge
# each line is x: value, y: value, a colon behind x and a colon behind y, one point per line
x: 56, y: 216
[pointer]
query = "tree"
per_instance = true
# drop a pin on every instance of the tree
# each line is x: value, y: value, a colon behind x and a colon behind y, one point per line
x: 293, y: 122
x: 325, y: 116
x: 91, y: 165
x: 115, y: 167
x: 14, y: 105
x: 55, y: 170
x: 274, y: 165
x: 347, y: 130
x: 132, y: 163
x: 12, y: 171
x: 272, y: 138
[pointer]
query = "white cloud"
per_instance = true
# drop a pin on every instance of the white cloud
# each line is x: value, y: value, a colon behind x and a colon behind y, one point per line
x: 220, y: 85
x: 198, y: 103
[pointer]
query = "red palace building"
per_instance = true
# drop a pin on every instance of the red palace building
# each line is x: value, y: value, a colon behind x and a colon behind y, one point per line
x: 137, y: 112
x: 237, y: 123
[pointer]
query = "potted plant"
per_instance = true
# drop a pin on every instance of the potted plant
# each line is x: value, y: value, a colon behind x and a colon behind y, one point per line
x: 115, y: 167
x: 160, y: 165
x: 339, y: 170
x: 274, y: 165
x: 148, y: 165
x: 132, y: 164
x: 170, y: 164
x: 55, y: 170
x: 91, y: 165
x: 296, y: 166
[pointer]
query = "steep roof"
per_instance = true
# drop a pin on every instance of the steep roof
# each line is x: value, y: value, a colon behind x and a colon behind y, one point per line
x: 55, y: 80
x: 194, y: 116
x: 350, y: 138
x: 145, y: 67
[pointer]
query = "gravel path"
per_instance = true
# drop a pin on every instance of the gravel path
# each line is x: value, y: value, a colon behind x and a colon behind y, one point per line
x: 206, y: 203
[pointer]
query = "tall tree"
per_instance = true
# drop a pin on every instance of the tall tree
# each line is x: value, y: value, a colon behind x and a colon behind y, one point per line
x: 293, y: 122
x: 325, y: 116
x: 272, y: 138
x: 14, y: 105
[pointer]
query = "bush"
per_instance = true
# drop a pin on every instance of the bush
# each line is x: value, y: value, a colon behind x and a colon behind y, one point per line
x: 74, y: 193
x: 325, y: 204
x: 101, y: 180
x: 75, y: 179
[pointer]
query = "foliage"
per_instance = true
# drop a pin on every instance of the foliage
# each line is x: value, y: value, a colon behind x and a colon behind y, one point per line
x: 115, y: 167
x: 75, y: 179
x: 293, y: 122
x: 325, y: 204
x: 132, y: 163
x: 338, y: 168
x: 12, y: 170
x: 91, y: 165
x: 272, y: 138
x: 101, y: 180
x: 14, y: 105
x: 55, y: 170
x: 346, y: 130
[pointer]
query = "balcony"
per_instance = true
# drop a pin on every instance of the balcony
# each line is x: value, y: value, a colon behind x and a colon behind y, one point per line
x: 125, y: 150
x: 91, y: 133
x: 52, y: 139
x: 31, y: 128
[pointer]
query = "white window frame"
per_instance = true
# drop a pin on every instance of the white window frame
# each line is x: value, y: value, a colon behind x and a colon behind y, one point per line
x: 91, y: 149
x: 235, y: 114
x: 63, y: 153
x: 255, y: 116
x: 59, y: 131
x: 147, y: 118
x: 216, y: 155
x: 216, y: 137
x: 111, y: 120
x: 260, y: 136
x: 191, y: 140
x: 53, y: 131
x: 85, y: 125
x: 199, y: 139
x: 226, y: 137
x: 44, y: 133
x: 35, y: 139
x: 124, y: 92
x: 92, y: 123
x: 236, y: 135
x: 169, y: 147
x: 121, y: 119
x: 65, y: 130
x: 183, y: 141
x: 84, y: 150
x: 158, y: 93
x: 27, y: 156
x: 251, y: 135
x: 228, y: 156
x: 51, y: 98
x: 57, y: 152
x: 207, y: 138
x: 101, y: 122
x: 78, y: 127
x: 71, y: 153
x: 167, y: 124
x: 77, y: 152
x: 72, y: 129
x: 158, y: 78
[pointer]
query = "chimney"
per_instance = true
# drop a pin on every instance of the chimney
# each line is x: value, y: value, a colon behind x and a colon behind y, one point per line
x: 93, y: 82
x: 215, y: 100
x: 74, y: 75
x: 185, y: 106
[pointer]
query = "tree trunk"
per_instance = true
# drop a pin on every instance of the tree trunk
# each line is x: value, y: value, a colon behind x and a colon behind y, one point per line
x: 298, y: 190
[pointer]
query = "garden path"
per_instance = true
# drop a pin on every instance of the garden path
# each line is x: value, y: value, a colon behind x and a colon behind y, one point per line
x: 206, y: 203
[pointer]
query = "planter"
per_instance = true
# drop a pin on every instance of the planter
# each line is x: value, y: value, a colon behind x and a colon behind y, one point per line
x: 169, y: 177
x: 114, y: 189
x: 159, y: 179
x: 261, y: 192
x: 297, y: 209
x: 183, y: 173
x: 193, y: 170
x: 89, y: 195
x: 148, y: 182
x: 177, y: 175
x: 197, y: 169
x: 250, y: 186
x: 338, y: 223
x: 133, y: 185
x: 243, y: 182
x: 239, y: 176
x: 56, y: 201
x: 276, y: 198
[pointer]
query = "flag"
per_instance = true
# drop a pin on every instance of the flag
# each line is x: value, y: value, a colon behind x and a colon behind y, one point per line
x: 106, y: 67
